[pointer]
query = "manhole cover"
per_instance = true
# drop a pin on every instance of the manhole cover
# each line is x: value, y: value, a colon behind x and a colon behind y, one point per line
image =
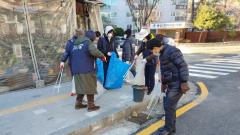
x: 140, y: 119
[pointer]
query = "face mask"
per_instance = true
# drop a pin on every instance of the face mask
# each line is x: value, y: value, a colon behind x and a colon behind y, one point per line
x: 144, y: 40
x: 125, y: 36
x: 110, y: 35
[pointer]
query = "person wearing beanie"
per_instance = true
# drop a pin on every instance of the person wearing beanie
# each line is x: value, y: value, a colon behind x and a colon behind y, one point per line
x: 175, y: 76
x: 166, y: 40
x: 151, y: 64
x: 107, y: 45
x: 82, y: 55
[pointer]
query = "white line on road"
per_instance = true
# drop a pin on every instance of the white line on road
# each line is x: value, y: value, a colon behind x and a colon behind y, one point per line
x: 229, y: 59
x: 217, y: 66
x: 39, y: 111
x: 202, y: 76
x: 223, y: 64
x: 222, y: 61
x: 214, y: 69
x: 208, y: 72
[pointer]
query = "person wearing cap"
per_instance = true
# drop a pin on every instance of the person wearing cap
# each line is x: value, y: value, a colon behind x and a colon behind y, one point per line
x: 175, y: 76
x: 107, y: 45
x: 166, y: 40
x: 150, y: 68
x: 82, y: 55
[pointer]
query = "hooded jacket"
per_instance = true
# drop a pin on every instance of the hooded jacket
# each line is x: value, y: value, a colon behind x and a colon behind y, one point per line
x: 105, y: 46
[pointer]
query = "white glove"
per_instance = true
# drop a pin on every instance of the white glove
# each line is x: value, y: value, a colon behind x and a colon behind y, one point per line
x: 127, y: 62
x: 144, y: 60
x: 136, y: 56
x: 61, y: 65
x: 109, y: 54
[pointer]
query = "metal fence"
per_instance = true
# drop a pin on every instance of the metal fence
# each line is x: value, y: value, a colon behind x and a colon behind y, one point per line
x: 32, y: 39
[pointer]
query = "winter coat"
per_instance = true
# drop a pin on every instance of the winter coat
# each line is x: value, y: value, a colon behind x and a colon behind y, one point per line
x: 174, y: 68
x: 105, y: 46
x: 146, y: 52
x: 128, y: 50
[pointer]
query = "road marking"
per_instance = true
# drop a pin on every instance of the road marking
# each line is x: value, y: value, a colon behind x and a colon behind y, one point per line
x: 40, y: 102
x: 217, y: 66
x: 202, y: 76
x: 92, y: 114
x: 224, y: 64
x: 208, y: 72
x: 155, y: 126
x: 214, y: 69
x: 227, y: 61
x: 39, y: 111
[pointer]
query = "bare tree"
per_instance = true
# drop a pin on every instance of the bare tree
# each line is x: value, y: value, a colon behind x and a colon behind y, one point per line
x: 141, y: 10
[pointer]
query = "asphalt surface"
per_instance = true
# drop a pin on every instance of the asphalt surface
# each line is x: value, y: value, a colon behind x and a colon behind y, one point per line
x: 219, y: 113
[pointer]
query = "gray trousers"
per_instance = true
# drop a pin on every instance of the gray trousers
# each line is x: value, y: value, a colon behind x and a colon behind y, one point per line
x: 170, y: 106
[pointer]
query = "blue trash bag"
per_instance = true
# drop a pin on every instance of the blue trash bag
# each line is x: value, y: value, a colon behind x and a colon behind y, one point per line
x: 116, y: 70
x: 100, y: 71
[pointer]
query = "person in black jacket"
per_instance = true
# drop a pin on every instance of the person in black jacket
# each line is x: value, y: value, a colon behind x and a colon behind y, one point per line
x: 107, y: 45
x: 175, y: 75
x: 150, y: 68
x: 128, y: 49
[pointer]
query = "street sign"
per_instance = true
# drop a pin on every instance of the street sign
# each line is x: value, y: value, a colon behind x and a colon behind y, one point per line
x: 174, y: 25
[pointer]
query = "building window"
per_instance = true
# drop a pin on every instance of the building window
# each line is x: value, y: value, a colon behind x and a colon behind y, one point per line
x: 180, y: 18
x: 114, y: 14
x: 181, y: 6
x: 128, y: 14
x: 174, y: 2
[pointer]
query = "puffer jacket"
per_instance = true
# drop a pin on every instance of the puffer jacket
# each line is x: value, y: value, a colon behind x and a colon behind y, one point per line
x: 174, y: 68
x: 128, y: 50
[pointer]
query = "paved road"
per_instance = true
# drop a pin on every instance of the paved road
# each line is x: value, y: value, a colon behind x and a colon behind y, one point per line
x: 219, y: 114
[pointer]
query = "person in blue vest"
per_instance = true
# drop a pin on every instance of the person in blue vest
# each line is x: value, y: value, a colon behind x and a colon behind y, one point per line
x: 150, y: 68
x: 175, y: 76
x: 82, y: 55
x: 70, y: 42
x: 107, y: 45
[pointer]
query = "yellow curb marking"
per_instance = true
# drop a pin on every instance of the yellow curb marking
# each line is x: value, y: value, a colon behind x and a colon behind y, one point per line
x: 155, y: 126
x: 32, y: 104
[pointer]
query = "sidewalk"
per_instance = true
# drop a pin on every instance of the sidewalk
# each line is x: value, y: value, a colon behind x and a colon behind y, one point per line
x: 213, y: 48
x: 46, y: 112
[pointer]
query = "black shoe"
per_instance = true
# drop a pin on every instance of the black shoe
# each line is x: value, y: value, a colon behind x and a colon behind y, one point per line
x: 149, y: 93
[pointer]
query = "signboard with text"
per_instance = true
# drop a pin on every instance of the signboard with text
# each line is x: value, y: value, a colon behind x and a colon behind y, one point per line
x: 175, y: 25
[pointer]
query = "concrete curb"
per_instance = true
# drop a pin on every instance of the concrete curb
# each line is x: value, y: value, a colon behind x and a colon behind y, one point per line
x: 111, y: 119
x: 90, y: 127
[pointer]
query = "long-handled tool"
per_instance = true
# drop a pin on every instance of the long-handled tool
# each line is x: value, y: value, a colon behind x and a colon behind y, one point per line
x: 125, y: 75
x: 59, y: 80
